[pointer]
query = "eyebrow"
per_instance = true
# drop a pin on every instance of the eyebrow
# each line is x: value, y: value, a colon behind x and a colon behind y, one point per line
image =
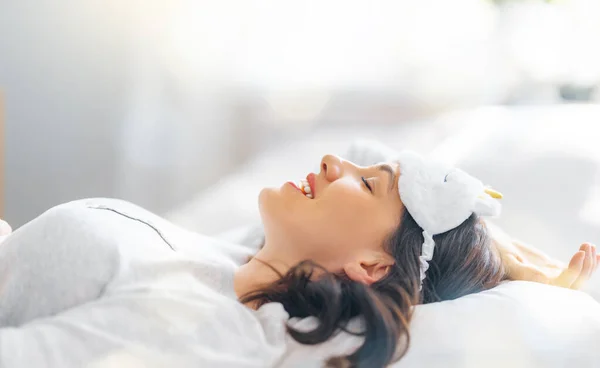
x: 388, y: 169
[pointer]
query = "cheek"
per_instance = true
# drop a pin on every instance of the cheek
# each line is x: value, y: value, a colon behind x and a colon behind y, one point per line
x: 347, y: 219
x: 352, y: 220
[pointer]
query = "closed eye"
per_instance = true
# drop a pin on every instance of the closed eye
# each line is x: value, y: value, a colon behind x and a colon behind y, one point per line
x: 367, y: 184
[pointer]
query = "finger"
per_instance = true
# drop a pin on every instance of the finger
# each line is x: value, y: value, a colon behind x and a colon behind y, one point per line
x: 594, y: 259
x: 570, y: 275
x: 5, y: 228
x: 586, y: 270
x: 592, y: 255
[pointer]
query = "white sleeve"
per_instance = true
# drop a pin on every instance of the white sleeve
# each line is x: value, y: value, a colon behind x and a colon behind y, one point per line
x: 107, y: 332
x: 59, y: 260
x: 167, y: 326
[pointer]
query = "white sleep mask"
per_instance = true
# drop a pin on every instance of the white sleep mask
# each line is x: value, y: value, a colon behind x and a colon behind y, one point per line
x: 440, y: 198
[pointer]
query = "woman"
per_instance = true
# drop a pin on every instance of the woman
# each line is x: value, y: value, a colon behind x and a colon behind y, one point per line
x: 338, y: 246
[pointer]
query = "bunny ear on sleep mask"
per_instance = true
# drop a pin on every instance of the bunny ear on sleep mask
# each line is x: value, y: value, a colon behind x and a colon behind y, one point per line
x: 440, y: 198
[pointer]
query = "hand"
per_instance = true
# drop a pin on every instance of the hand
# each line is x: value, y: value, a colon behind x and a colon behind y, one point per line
x: 5, y: 230
x: 524, y: 262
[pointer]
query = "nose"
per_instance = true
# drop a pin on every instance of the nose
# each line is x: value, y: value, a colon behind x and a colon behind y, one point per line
x: 331, y: 167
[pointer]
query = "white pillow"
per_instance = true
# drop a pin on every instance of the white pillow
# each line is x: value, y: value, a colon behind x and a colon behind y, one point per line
x: 517, y: 324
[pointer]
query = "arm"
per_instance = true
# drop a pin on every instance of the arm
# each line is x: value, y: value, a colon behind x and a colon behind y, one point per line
x: 56, y: 261
x: 527, y: 263
x: 103, y: 333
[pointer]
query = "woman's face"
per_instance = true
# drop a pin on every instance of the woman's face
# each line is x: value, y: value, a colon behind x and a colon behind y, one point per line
x: 345, y: 225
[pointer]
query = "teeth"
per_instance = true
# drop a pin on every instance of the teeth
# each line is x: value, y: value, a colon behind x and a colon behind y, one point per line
x: 305, y: 188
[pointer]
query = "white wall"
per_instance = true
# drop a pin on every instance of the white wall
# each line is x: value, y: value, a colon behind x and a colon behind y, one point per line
x: 152, y: 100
x: 95, y: 109
x: 62, y: 74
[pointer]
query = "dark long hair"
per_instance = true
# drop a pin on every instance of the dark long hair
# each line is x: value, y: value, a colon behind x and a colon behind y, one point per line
x: 463, y: 262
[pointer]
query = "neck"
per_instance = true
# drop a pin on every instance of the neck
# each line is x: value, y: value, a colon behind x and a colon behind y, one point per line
x: 261, y: 271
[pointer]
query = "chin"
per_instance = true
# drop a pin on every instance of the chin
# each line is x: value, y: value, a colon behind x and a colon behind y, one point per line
x: 276, y: 206
x: 266, y: 200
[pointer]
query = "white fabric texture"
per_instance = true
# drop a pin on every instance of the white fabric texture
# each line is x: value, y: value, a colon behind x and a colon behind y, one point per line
x: 440, y: 197
x: 103, y: 283
x: 517, y: 324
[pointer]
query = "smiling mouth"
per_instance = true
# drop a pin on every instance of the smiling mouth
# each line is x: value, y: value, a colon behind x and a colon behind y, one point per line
x: 304, y: 187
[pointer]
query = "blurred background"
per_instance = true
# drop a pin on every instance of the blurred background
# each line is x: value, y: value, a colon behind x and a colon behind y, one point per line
x: 188, y: 107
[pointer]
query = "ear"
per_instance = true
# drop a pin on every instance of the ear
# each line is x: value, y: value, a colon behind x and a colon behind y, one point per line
x: 369, y: 271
